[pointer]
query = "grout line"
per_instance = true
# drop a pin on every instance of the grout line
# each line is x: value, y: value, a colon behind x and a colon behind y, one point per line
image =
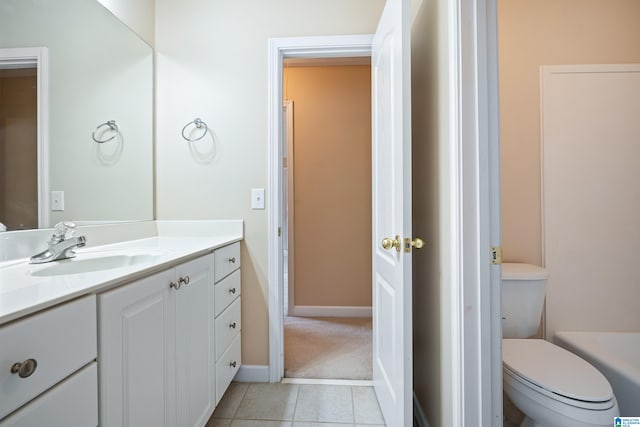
x: 353, y: 406
x: 319, y: 381
x: 233, y: 417
x: 295, y: 407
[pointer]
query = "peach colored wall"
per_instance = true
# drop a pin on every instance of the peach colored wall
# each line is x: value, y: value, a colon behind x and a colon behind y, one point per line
x: 332, y: 173
x: 18, y: 150
x: 546, y: 32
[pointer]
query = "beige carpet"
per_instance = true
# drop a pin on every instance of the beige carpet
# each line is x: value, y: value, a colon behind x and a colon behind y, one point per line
x: 327, y: 348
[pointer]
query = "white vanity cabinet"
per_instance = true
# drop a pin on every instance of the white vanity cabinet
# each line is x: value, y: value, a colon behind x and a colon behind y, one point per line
x: 227, y: 316
x: 47, y: 367
x: 156, y: 349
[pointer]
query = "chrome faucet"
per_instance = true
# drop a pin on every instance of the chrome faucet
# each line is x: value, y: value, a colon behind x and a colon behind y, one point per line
x: 61, y: 245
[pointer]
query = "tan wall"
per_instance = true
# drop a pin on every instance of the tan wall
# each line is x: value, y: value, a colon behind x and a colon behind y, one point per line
x: 546, y: 32
x: 332, y: 200
x: 432, y: 368
x: 212, y: 63
x: 19, y: 149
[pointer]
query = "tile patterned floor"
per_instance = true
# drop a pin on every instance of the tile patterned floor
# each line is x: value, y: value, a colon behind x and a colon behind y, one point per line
x: 297, y: 405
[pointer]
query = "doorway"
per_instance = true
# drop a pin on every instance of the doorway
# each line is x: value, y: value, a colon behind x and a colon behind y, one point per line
x: 327, y: 208
x: 23, y: 138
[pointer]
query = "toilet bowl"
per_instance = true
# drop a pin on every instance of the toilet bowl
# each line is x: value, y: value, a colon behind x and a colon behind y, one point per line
x: 551, y: 386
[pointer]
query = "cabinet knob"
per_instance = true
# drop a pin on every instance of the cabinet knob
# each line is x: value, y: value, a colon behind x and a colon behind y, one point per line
x: 232, y: 260
x: 232, y: 325
x: 233, y: 364
x: 24, y: 369
x: 184, y: 280
x: 232, y: 290
x: 175, y: 285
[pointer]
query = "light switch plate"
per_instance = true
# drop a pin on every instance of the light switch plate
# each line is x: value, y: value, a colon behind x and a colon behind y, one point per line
x: 57, y: 200
x: 257, y: 198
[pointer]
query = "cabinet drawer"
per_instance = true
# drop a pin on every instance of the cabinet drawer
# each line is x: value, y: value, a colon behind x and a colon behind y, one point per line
x: 226, y: 291
x: 227, y: 367
x: 61, y: 341
x: 227, y: 259
x: 227, y: 327
x: 72, y: 403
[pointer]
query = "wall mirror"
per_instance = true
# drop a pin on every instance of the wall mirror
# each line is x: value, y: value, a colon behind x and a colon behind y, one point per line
x: 96, y: 70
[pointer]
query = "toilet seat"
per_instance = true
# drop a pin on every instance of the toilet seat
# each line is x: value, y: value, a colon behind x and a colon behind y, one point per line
x: 556, y: 373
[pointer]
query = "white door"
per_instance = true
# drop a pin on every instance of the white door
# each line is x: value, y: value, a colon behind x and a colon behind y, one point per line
x: 391, y: 152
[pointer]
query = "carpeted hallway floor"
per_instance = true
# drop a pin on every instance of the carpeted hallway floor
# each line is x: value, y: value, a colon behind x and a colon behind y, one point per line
x: 327, y: 348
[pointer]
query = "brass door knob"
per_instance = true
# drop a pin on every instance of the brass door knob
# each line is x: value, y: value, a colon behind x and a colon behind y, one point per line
x: 387, y: 243
x: 417, y: 243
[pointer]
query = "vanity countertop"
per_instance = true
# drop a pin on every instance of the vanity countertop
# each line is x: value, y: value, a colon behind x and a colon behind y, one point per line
x: 24, y: 289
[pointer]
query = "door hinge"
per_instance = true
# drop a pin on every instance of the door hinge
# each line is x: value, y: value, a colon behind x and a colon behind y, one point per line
x: 279, y: 231
x: 495, y: 255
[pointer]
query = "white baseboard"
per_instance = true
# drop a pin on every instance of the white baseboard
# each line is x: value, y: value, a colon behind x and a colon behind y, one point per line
x: 252, y: 374
x: 418, y: 413
x: 330, y: 311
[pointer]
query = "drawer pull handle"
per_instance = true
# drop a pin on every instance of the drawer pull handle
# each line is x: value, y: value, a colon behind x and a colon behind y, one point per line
x: 233, y: 364
x: 232, y: 290
x: 232, y: 260
x: 175, y: 285
x: 24, y: 369
x: 184, y: 280
x: 232, y: 325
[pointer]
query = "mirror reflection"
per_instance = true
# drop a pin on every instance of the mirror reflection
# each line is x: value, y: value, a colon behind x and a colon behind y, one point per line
x: 59, y: 158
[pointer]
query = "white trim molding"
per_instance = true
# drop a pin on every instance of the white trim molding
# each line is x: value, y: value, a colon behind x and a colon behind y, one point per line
x: 476, y: 291
x: 278, y: 50
x: 330, y: 311
x: 252, y: 374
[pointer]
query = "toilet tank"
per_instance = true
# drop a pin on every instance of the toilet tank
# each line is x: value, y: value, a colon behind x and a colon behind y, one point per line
x: 523, y: 287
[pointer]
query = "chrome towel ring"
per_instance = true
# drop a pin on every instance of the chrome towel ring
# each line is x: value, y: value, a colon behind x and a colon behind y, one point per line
x: 112, y: 125
x: 199, y: 125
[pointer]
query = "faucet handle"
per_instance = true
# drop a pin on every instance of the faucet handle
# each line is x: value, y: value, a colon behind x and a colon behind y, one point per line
x: 61, y: 231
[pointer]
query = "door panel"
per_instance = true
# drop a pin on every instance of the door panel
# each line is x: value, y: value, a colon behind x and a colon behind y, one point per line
x: 392, y: 333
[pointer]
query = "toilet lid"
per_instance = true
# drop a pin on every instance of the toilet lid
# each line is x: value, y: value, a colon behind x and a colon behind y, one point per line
x: 555, y: 369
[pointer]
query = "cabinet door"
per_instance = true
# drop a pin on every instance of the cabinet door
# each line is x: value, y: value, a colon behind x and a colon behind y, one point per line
x: 194, y: 341
x: 136, y: 357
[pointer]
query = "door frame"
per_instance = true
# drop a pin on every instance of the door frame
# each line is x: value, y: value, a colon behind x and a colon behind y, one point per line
x: 475, y: 291
x: 28, y: 57
x: 475, y: 128
x: 290, y: 213
x: 279, y: 49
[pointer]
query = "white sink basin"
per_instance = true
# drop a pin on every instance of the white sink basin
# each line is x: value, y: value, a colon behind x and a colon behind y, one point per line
x: 88, y: 265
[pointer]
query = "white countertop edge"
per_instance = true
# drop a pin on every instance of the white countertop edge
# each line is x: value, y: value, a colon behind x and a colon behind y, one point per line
x: 194, y: 247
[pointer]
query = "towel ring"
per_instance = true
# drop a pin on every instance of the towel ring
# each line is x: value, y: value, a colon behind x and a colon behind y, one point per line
x: 199, y: 124
x: 112, y: 125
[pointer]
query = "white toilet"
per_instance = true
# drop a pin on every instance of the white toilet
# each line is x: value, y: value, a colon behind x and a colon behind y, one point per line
x: 550, y: 385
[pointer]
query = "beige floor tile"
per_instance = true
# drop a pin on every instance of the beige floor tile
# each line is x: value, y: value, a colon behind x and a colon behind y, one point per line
x: 365, y: 406
x: 308, y: 424
x: 323, y: 403
x: 260, y: 423
x: 268, y: 402
x: 218, y: 422
x: 231, y: 400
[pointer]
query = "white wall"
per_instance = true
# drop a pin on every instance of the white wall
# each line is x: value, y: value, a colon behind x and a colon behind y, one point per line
x: 212, y: 63
x: 591, y: 197
x: 139, y: 15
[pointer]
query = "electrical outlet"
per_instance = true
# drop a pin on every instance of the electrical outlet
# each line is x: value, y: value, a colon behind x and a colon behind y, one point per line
x: 57, y: 200
x: 257, y: 198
